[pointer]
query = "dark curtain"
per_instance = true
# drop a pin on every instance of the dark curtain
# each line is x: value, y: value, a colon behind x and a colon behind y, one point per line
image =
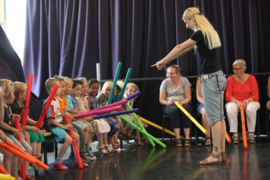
x: 69, y: 37
x: 11, y: 68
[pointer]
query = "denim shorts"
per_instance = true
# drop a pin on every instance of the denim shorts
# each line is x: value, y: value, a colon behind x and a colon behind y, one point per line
x: 213, y: 91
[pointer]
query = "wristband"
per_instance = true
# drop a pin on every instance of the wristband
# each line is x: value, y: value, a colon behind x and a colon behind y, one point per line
x: 246, y: 101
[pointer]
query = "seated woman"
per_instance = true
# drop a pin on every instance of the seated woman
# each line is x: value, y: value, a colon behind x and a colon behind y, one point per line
x: 242, y: 89
x: 176, y: 88
x: 201, y: 110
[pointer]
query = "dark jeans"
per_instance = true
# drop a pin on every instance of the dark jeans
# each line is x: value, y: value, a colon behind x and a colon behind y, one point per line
x: 177, y: 116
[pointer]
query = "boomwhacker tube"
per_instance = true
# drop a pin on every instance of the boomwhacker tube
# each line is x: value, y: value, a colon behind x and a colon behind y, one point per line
x: 19, y: 138
x: 3, y: 171
x: 6, y: 177
x: 125, y: 84
x: 115, y: 114
x: 45, y: 109
x: 74, y: 143
x: 29, y: 158
x: 190, y: 117
x: 97, y: 112
x: 144, y: 132
x: 115, y: 81
x: 157, y: 126
x: 228, y: 138
x: 27, y: 100
x: 244, y: 127
x: 140, y: 124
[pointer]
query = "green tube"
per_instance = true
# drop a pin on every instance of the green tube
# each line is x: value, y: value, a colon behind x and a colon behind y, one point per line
x: 114, y: 82
x: 143, y: 131
x: 125, y: 84
x: 140, y: 124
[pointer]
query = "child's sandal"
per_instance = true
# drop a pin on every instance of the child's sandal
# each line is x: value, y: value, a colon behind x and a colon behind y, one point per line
x: 139, y: 142
x: 145, y: 140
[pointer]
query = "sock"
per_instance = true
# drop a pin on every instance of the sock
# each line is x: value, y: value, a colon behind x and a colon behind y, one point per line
x: 58, y: 160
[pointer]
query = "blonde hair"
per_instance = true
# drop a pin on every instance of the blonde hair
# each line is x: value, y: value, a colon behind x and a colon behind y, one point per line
x: 59, y: 78
x: 82, y: 79
x: 174, y: 66
x: 19, y: 87
x: 2, y: 85
x: 49, y: 84
x: 9, y: 88
x: 67, y: 80
x: 242, y: 62
x: 211, y: 37
x: 107, y: 85
x: 129, y: 85
x: 120, y: 84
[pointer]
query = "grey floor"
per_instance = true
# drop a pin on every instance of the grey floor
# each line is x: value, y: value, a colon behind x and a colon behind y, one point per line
x: 145, y: 162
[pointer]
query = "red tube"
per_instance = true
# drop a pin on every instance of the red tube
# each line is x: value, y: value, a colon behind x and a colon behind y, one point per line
x: 77, y: 153
x: 3, y: 171
x: 228, y: 138
x: 27, y: 100
x: 45, y: 109
x: 244, y: 127
x: 19, y: 138
x: 96, y: 112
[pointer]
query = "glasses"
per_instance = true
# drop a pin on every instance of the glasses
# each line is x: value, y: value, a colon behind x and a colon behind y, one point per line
x: 170, y: 73
x: 237, y: 69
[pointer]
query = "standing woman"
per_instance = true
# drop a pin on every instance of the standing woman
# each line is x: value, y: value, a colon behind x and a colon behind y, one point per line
x: 206, y: 41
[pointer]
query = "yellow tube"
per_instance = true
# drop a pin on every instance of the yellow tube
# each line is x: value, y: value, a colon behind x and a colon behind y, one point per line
x: 191, y: 118
x: 157, y: 126
x: 6, y: 177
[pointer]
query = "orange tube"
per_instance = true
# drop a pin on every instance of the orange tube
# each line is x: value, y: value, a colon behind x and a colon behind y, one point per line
x: 21, y: 151
x: 3, y: 171
x: 228, y: 138
x: 78, y: 157
x: 244, y: 127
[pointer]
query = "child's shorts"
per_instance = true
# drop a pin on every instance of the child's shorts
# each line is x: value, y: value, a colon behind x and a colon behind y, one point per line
x: 59, y: 133
x: 24, y: 145
x: 130, y: 118
x: 81, y: 124
x: 35, y: 137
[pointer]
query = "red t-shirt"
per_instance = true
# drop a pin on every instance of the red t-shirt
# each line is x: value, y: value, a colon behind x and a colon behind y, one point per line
x: 241, y: 92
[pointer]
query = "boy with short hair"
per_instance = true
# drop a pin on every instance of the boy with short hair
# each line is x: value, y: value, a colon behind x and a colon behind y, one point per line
x: 57, y: 125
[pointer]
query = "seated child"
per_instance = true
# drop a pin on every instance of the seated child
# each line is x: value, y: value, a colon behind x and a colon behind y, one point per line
x: 103, y: 126
x: 7, y: 125
x: 6, y: 154
x: 58, y: 126
x: 36, y: 138
x: 103, y: 98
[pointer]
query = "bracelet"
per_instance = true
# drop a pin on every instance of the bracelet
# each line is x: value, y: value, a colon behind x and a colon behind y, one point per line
x: 246, y: 101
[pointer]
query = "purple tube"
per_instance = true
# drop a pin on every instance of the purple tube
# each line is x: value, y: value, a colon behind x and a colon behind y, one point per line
x: 98, y: 111
x: 116, y: 113
x: 133, y: 95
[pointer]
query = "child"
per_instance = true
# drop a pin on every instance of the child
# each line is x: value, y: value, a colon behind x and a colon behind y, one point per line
x: 103, y: 98
x: 103, y: 126
x: 83, y: 107
x: 77, y: 128
x: 6, y: 154
x: 11, y: 132
x: 130, y: 90
x: 57, y: 125
x: 80, y: 124
x: 36, y: 138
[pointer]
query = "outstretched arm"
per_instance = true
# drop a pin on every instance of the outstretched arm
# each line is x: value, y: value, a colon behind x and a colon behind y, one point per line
x: 176, y: 52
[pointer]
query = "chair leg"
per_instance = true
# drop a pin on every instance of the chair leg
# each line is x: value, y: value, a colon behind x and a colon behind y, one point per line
x: 55, y: 149
x: 267, y: 127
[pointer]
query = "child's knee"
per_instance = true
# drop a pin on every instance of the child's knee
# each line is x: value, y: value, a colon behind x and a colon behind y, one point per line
x: 68, y: 140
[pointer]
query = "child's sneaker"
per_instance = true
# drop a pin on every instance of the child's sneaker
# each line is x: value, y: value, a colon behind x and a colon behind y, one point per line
x: 86, y: 158
x: 60, y: 166
x: 72, y: 158
x: 90, y: 153
x: 84, y: 165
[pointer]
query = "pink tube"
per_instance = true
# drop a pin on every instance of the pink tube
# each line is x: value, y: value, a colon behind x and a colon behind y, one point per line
x: 96, y: 112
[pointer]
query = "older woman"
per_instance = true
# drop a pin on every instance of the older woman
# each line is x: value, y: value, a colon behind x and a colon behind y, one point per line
x: 176, y: 88
x: 242, y: 89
